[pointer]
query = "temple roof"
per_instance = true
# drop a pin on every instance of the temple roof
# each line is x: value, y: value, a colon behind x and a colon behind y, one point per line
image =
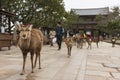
x: 91, y: 11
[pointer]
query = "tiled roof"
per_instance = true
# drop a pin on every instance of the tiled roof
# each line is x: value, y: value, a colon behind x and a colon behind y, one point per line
x: 92, y: 11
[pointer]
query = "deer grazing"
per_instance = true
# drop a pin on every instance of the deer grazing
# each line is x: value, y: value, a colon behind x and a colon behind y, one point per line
x: 69, y: 41
x: 30, y: 40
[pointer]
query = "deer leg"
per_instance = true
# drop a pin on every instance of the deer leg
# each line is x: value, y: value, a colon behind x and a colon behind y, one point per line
x: 97, y: 44
x: 68, y: 51
x: 32, y: 56
x: 37, y: 54
x: 81, y: 45
x: 39, y: 57
x: 90, y: 45
x: 35, y: 60
x: 77, y: 45
x: 113, y: 44
x: 24, y: 61
x: 39, y: 61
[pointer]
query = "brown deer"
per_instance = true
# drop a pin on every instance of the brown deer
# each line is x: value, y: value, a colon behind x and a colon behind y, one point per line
x: 69, y: 41
x: 89, y: 41
x: 30, y: 40
x: 79, y: 41
x: 95, y: 39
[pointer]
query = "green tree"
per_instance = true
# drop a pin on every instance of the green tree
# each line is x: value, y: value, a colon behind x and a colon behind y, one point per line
x: 110, y: 23
x: 69, y: 19
x: 36, y: 12
x: 113, y: 25
x: 101, y: 22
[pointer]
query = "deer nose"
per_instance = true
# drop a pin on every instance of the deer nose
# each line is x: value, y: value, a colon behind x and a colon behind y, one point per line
x: 23, y: 35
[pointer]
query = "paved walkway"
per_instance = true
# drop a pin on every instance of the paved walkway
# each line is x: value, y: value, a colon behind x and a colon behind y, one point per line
x: 101, y: 63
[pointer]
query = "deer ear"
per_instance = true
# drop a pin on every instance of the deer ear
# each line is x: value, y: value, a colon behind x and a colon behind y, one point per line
x: 30, y: 27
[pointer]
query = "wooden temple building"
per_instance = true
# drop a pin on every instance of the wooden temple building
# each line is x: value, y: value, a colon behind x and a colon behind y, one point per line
x: 5, y: 29
x: 86, y: 21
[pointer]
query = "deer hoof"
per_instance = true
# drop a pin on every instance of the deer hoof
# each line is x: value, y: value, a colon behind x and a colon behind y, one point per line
x: 22, y: 73
x: 40, y: 68
x: 68, y: 56
x: 32, y: 72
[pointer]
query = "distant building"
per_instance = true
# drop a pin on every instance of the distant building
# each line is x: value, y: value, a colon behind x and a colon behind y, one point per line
x: 86, y: 21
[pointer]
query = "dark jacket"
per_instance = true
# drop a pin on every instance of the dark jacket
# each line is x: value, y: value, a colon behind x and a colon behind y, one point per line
x: 59, y: 31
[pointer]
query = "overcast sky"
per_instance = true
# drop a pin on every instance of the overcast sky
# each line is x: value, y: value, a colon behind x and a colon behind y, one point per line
x: 83, y: 4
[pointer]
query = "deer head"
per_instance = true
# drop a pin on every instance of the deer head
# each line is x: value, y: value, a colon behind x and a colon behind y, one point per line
x: 25, y: 32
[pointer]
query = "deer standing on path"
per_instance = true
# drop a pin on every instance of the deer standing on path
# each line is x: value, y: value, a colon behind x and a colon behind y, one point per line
x: 30, y: 40
x: 69, y: 42
x: 95, y: 39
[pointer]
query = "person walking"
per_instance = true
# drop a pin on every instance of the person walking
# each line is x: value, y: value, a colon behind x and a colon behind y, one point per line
x: 59, y: 34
